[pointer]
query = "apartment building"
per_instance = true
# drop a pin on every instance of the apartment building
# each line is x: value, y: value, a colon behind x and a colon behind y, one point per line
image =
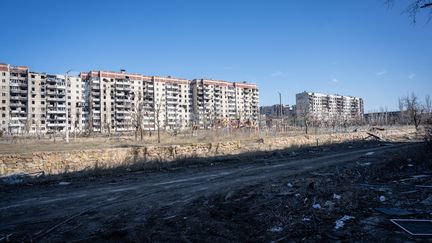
x: 112, y: 99
x: 329, y: 107
x: 107, y: 101
x: 215, y: 100
x: 14, y: 99
x: 172, y: 102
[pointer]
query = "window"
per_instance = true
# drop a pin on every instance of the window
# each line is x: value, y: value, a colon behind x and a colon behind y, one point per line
x: 3, y: 115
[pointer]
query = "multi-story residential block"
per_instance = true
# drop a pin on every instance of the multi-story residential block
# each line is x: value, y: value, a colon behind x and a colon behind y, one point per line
x: 215, y: 100
x: 172, y: 103
x: 105, y: 101
x: 112, y: 98
x: 37, y: 111
x: 329, y: 107
x: 14, y: 99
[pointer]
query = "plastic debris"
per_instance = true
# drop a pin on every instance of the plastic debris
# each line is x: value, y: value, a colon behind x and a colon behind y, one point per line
x: 316, y: 206
x: 336, y: 196
x: 341, y: 222
x: 276, y: 229
x: 369, y: 153
x: 290, y: 185
x: 382, y: 198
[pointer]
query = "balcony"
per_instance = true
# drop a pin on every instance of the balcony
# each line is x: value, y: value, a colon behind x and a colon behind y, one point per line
x: 18, y: 98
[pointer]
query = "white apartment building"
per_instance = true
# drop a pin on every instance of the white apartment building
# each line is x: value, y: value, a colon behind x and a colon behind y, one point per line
x: 329, y: 107
x: 112, y: 98
x: 36, y: 102
x: 106, y: 101
x: 172, y: 102
x: 217, y: 100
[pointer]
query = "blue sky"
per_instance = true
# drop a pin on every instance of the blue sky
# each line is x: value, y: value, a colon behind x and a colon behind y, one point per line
x: 358, y: 48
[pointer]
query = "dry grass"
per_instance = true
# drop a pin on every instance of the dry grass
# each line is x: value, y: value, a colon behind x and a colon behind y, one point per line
x: 47, y: 144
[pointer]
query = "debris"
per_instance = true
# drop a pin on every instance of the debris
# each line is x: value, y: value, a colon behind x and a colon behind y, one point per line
x: 427, y: 201
x: 369, y: 153
x: 414, y: 226
x: 395, y: 211
x: 410, y: 165
x: 341, y: 222
x: 336, y: 196
x: 316, y: 206
x: 290, y: 185
x: 329, y: 204
x: 364, y: 164
x: 424, y: 186
x: 15, y: 178
x: 382, y: 198
x: 372, y: 135
x: 64, y: 183
x: 409, y: 192
x: 306, y: 219
x: 276, y: 229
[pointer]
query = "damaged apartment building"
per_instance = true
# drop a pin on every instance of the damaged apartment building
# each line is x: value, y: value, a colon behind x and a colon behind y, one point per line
x: 328, y: 108
x: 108, y: 102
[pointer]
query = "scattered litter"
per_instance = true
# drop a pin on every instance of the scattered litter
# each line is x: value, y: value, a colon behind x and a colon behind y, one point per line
x: 382, y: 198
x: 336, y: 196
x: 395, y: 211
x: 341, y: 222
x: 306, y: 219
x: 276, y: 229
x: 64, y: 183
x: 369, y: 153
x: 414, y: 226
x: 316, y: 206
x: 297, y: 195
x: 290, y: 185
x: 364, y: 164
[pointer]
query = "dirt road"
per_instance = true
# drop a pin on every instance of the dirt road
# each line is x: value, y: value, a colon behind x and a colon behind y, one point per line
x: 118, y: 207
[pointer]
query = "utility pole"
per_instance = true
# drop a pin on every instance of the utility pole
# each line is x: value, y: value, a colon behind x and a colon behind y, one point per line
x: 280, y: 104
x: 66, y: 105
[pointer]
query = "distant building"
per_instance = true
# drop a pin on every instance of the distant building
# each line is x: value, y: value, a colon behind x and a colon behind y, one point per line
x: 326, y: 107
x: 216, y: 100
x: 275, y: 111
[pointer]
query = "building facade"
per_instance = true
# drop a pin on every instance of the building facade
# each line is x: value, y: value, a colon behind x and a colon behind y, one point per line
x: 106, y: 102
x: 323, y: 107
x: 215, y: 102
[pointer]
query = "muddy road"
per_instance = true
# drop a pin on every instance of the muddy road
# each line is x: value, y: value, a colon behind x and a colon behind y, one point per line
x: 123, y: 207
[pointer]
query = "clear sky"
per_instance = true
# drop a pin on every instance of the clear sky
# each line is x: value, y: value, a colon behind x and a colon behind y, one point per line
x: 358, y: 48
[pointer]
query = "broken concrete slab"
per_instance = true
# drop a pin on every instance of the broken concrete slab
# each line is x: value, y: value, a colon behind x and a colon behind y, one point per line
x: 418, y: 227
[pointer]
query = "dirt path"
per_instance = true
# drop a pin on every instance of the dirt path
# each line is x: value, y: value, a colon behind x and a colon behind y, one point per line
x: 109, y: 207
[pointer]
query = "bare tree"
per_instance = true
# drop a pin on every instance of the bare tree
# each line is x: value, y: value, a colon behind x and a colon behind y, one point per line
x: 414, y: 8
x: 157, y: 109
x: 413, y: 109
x: 138, y: 117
